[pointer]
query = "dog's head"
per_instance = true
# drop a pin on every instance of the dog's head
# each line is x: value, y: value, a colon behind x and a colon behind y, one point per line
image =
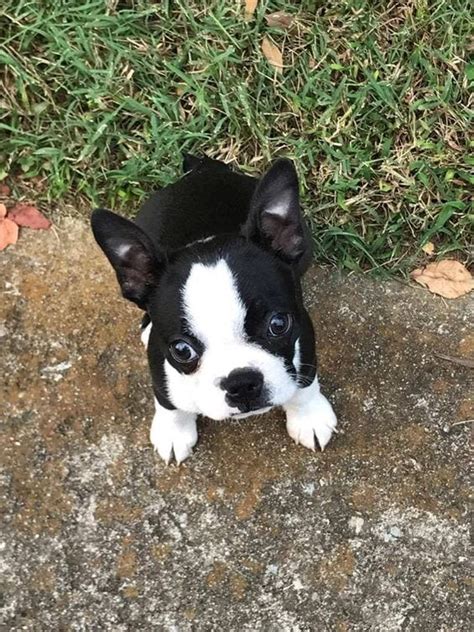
x: 227, y: 320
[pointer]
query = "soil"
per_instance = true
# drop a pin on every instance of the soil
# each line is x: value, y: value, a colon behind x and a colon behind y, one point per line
x: 253, y: 532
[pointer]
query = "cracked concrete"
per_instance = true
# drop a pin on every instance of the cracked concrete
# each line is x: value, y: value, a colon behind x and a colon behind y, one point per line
x: 253, y: 532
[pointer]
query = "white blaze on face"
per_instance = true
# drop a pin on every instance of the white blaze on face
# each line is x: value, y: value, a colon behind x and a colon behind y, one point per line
x: 212, y: 304
x: 216, y: 315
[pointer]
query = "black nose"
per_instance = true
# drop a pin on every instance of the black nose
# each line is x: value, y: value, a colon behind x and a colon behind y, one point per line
x: 243, y: 386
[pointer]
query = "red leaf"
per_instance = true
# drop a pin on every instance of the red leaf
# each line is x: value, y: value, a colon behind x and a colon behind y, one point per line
x: 28, y: 216
x: 8, y: 232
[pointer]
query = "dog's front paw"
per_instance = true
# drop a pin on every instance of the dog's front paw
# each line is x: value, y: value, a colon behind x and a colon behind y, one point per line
x: 310, y: 416
x: 173, y: 434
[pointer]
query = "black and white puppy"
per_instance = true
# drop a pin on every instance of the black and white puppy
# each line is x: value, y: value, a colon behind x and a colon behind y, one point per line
x: 215, y: 261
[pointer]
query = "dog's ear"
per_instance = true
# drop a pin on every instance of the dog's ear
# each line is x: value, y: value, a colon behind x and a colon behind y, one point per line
x: 275, y: 221
x: 131, y: 253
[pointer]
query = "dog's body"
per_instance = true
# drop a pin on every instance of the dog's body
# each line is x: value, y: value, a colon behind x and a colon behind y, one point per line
x: 215, y: 260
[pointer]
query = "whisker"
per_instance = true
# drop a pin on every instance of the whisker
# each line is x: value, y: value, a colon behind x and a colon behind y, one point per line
x: 313, y: 366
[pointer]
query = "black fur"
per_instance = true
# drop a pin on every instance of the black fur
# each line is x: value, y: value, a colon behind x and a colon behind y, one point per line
x: 267, y: 254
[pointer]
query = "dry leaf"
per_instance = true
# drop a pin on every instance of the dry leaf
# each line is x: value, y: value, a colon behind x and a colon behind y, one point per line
x: 250, y: 6
x: 428, y: 248
x: 8, y: 232
x: 280, y: 18
x: 5, y: 190
x: 448, y: 278
x: 29, y: 216
x: 273, y: 54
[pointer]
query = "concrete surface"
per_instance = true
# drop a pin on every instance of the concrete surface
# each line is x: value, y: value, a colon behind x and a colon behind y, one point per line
x: 252, y: 533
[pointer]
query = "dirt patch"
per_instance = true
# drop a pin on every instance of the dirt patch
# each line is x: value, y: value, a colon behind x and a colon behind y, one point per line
x: 370, y: 534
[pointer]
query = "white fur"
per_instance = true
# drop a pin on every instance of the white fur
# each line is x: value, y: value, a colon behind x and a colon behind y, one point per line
x: 145, y: 335
x: 280, y: 209
x: 309, y: 414
x: 213, y: 307
x: 297, y: 356
x: 253, y: 413
x: 216, y: 315
x: 173, y: 433
x: 122, y: 249
x: 204, y: 240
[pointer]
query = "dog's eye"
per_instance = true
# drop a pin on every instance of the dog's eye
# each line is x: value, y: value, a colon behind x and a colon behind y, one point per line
x: 279, y: 325
x: 183, y: 352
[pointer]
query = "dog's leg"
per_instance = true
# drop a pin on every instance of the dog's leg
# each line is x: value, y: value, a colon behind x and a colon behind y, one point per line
x: 310, y: 415
x: 173, y: 433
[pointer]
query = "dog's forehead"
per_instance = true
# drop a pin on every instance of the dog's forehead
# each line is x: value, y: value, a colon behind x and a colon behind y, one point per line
x: 221, y: 282
x: 213, y: 307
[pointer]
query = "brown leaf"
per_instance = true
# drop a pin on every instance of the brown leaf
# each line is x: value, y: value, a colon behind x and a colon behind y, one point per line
x: 273, y: 54
x: 8, y: 232
x: 4, y: 190
x: 28, y: 216
x: 250, y: 6
x: 428, y: 248
x: 280, y: 19
x: 448, y: 278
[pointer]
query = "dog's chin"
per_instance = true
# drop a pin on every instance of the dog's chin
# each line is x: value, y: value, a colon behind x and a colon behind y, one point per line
x: 234, y: 413
x: 250, y: 413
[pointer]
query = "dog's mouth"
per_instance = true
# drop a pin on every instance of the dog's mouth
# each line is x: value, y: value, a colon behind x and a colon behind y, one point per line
x: 250, y: 413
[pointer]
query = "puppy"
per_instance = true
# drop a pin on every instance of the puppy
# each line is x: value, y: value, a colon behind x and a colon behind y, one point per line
x: 215, y: 260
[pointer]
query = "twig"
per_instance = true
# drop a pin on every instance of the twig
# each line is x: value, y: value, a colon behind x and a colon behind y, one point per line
x: 461, y: 361
x: 465, y: 421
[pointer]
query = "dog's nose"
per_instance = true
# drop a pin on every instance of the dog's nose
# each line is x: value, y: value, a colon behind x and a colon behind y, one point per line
x: 243, y: 387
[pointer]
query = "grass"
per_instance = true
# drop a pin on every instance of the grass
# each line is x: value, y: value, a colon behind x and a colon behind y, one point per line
x: 99, y: 99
